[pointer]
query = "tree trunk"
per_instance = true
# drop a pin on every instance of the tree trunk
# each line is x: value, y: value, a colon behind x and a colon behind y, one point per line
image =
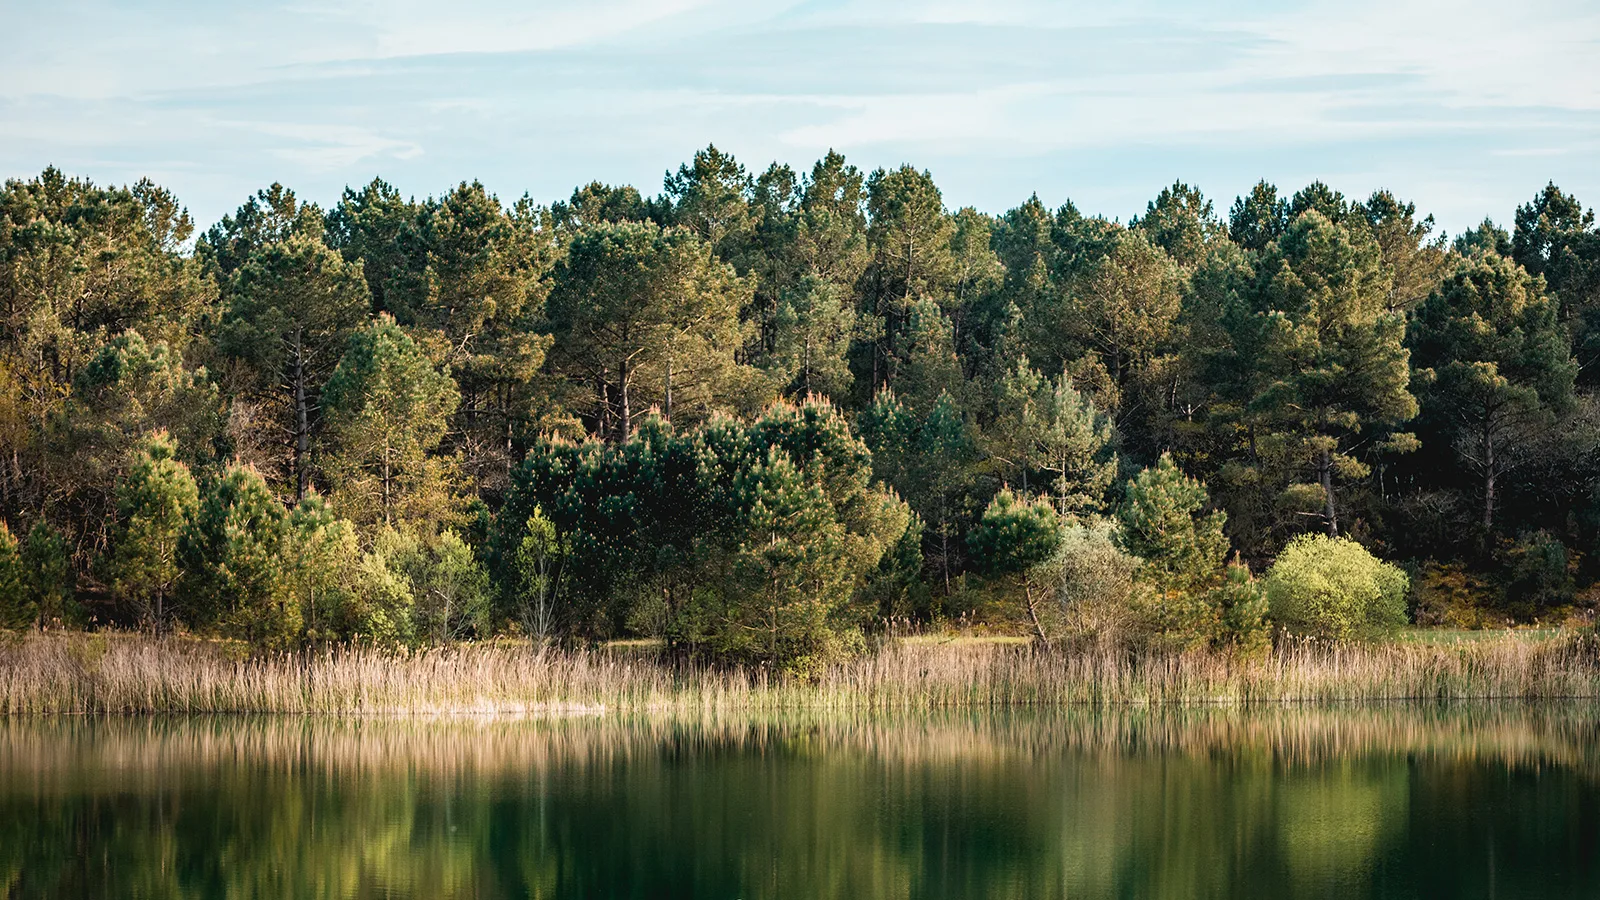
x: 1033, y: 612
x: 1329, y: 512
x: 627, y: 413
x: 1488, y: 482
x: 302, y: 417
x: 669, y: 389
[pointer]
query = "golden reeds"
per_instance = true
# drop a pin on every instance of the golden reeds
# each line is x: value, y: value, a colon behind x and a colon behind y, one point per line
x: 83, y: 674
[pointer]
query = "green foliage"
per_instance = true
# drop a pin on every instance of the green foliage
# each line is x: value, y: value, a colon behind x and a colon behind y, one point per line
x: 49, y: 582
x: 1014, y: 535
x: 387, y: 411
x: 1049, y: 428
x: 1241, y: 606
x: 1094, y: 588
x: 449, y: 585
x: 156, y: 503
x: 15, y: 612
x: 233, y: 554
x: 1540, y: 575
x: 1334, y: 589
x: 1164, y: 522
x: 536, y: 584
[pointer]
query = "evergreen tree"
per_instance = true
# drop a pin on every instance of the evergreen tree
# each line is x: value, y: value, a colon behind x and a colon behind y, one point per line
x: 49, y: 582
x: 388, y: 409
x: 1165, y: 523
x: 291, y: 305
x: 1182, y: 222
x: 1012, y: 539
x: 156, y: 502
x: 1047, y: 427
x: 1324, y: 356
x: 646, y: 316
x: 234, y: 563
x: 15, y: 612
x: 1258, y: 219
x: 1493, y: 367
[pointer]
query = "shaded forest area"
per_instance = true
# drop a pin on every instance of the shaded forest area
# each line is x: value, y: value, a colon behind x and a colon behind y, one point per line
x: 764, y: 417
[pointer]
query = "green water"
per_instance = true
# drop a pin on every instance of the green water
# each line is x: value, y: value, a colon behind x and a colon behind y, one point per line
x: 1401, y: 802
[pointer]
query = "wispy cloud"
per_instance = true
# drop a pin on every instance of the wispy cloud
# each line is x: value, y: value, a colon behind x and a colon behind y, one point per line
x: 1466, y: 111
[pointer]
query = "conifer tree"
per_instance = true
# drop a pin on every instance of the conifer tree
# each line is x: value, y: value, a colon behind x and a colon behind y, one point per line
x: 388, y: 409
x: 49, y: 580
x: 156, y: 502
x: 291, y: 305
x: 1493, y: 367
x: 1165, y: 523
x: 1012, y: 538
x: 234, y: 561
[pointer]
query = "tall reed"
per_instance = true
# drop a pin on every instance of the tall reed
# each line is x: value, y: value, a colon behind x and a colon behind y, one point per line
x: 79, y: 674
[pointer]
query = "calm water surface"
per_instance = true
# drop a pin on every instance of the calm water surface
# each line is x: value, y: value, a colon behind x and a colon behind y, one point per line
x: 1398, y: 802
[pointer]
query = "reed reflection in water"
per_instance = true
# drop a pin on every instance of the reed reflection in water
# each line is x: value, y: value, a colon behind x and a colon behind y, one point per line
x: 1400, y: 801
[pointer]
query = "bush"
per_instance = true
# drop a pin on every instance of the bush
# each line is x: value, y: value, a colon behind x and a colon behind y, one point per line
x: 1097, y: 592
x: 1334, y: 589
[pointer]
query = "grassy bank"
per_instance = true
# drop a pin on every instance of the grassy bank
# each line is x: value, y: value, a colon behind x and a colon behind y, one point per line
x: 78, y: 674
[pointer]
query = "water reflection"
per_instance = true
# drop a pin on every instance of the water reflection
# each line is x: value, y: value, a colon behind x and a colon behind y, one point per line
x: 1401, y: 801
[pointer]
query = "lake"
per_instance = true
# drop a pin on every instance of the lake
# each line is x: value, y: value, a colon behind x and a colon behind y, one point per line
x: 1495, y: 801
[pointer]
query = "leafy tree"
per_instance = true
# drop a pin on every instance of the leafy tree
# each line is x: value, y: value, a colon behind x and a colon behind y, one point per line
x: 1493, y: 367
x: 1012, y: 539
x: 233, y: 558
x: 1165, y: 523
x: 388, y: 409
x: 539, y: 560
x: 156, y: 502
x: 291, y: 305
x: 449, y: 585
x: 1334, y: 589
x: 1096, y: 588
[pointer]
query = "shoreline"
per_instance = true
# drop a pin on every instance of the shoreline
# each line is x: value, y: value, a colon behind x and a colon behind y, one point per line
x: 47, y: 674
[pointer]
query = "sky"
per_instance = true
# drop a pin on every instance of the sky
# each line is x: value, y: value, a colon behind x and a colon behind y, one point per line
x: 1466, y: 108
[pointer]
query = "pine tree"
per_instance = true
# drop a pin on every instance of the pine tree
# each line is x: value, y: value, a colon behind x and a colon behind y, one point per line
x: 49, y: 581
x: 291, y: 305
x: 156, y: 502
x: 1013, y: 537
x: 1165, y: 523
x: 233, y: 558
x: 15, y: 611
x: 1493, y: 367
x: 387, y: 410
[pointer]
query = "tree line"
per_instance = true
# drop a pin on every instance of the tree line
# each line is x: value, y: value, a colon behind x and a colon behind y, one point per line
x: 759, y: 415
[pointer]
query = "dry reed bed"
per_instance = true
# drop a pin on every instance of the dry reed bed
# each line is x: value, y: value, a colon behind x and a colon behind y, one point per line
x: 94, y: 674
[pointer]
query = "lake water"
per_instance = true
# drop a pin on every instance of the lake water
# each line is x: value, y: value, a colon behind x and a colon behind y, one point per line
x: 1499, y: 801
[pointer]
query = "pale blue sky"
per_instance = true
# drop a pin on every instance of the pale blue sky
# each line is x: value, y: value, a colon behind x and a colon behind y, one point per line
x: 1467, y: 108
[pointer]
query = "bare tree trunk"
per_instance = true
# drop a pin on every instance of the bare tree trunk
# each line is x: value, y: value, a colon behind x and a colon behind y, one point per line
x: 302, y: 417
x: 1329, y: 512
x: 1033, y: 611
x: 1488, y: 481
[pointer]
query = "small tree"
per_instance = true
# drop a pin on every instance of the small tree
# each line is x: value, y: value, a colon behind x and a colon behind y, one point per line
x: 1334, y: 589
x: 1097, y: 591
x: 450, y: 587
x: 48, y: 581
x: 1011, y: 540
x: 1242, y: 610
x: 14, y: 612
x: 538, y: 568
x: 235, y: 569
x: 388, y: 409
x: 156, y: 501
x: 1164, y: 523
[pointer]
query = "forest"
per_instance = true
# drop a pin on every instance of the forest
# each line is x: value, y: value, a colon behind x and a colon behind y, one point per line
x: 769, y: 417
